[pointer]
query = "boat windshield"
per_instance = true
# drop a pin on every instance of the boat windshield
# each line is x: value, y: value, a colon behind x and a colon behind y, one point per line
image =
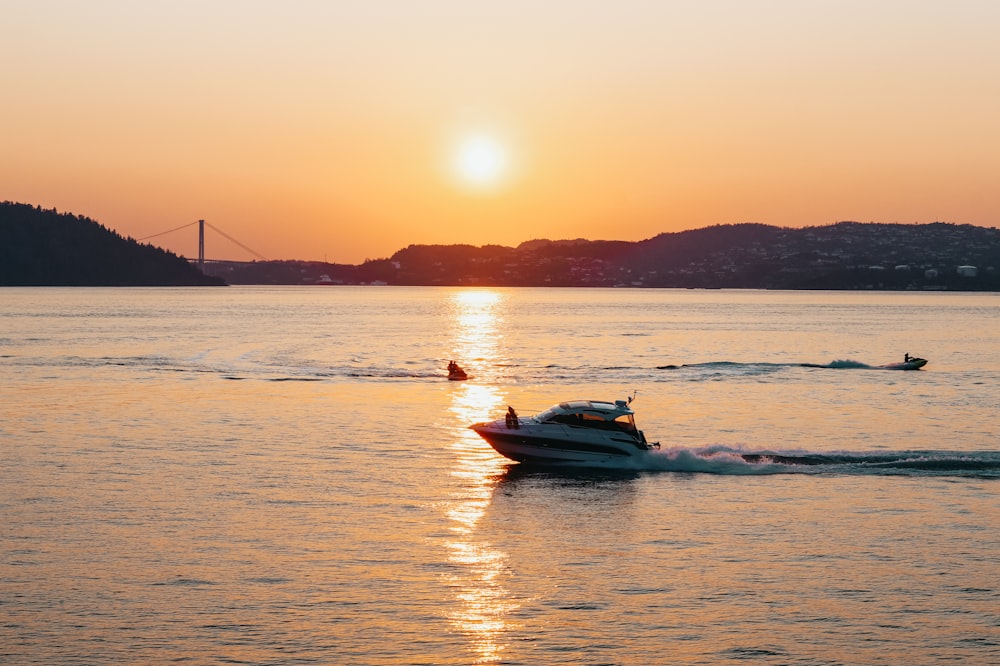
x: 547, y: 414
x: 626, y: 422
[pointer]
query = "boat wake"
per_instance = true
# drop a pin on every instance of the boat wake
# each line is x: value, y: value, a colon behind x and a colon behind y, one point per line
x: 732, y: 461
x: 264, y: 369
x: 277, y: 367
x: 731, y: 368
x: 845, y: 364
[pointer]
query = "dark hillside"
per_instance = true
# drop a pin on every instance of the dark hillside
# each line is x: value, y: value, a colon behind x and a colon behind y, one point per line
x: 47, y: 248
x: 846, y: 255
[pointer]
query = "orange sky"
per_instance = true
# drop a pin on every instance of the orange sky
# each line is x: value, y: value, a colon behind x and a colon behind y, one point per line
x: 331, y: 129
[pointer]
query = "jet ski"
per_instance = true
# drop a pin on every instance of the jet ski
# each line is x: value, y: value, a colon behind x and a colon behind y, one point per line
x: 909, y: 363
x: 455, y: 372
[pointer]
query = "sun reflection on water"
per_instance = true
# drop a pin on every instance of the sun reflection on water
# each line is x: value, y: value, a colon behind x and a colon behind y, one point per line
x: 477, y: 336
x: 482, y: 601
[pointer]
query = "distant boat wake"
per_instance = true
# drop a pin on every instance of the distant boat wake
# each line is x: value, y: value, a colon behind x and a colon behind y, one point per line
x: 264, y: 368
x: 731, y: 367
x: 840, y: 365
x: 733, y: 461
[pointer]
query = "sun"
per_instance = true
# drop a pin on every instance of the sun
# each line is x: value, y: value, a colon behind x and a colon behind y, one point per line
x: 480, y: 160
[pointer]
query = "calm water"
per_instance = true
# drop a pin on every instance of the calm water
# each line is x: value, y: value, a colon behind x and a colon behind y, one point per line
x: 284, y: 476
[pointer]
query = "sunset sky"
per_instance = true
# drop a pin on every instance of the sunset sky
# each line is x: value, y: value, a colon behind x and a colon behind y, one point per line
x: 345, y: 130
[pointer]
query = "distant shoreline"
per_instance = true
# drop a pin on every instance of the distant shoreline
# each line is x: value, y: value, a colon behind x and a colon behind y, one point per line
x: 846, y: 256
x: 47, y: 248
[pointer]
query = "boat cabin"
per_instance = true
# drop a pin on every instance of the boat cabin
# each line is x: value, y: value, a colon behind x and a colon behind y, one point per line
x: 592, y: 414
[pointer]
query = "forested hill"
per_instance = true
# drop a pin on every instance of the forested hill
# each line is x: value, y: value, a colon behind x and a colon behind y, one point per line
x: 47, y: 248
x: 846, y: 255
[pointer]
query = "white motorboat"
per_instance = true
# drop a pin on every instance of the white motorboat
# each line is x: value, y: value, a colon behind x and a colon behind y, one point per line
x: 578, y: 432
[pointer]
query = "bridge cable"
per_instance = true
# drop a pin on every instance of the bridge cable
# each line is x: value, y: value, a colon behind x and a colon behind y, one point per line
x: 253, y: 252
x: 183, y: 226
x: 207, y: 224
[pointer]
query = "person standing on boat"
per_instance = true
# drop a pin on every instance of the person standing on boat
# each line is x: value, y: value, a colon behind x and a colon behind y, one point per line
x: 511, y: 419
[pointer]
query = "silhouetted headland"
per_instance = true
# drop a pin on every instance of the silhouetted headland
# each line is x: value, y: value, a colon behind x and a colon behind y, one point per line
x: 47, y: 248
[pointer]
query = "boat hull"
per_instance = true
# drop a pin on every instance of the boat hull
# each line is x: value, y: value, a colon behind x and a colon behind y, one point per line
x: 912, y: 364
x: 526, y: 445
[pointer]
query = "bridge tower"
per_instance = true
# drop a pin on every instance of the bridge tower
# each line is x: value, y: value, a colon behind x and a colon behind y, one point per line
x: 201, y: 245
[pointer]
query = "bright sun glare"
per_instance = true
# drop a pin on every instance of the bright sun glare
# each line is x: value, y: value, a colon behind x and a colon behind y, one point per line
x: 481, y: 160
x: 476, y: 298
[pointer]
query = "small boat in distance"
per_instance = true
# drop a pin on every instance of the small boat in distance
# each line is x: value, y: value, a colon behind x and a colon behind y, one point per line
x: 577, y: 432
x: 455, y: 372
x: 909, y: 363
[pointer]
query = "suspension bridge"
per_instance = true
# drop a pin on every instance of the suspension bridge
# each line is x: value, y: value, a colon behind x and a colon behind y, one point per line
x: 201, y: 240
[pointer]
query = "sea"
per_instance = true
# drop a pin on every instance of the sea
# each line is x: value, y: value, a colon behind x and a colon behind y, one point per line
x: 285, y: 475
